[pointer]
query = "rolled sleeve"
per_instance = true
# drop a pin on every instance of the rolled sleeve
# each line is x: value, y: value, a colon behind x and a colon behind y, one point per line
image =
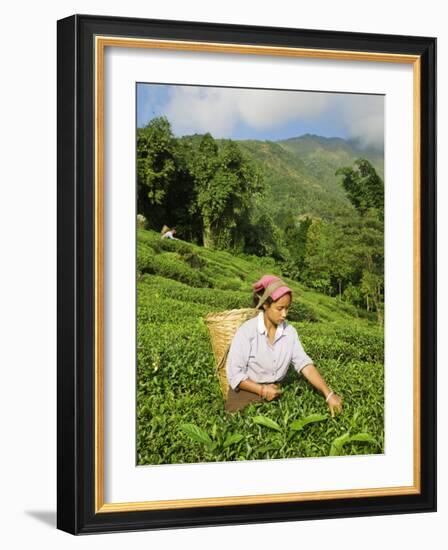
x: 299, y: 358
x: 237, y: 359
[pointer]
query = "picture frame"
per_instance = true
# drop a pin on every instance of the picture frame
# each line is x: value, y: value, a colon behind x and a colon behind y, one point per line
x: 81, y: 413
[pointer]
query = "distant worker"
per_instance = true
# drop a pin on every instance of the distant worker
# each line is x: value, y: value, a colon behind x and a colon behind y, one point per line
x: 168, y: 233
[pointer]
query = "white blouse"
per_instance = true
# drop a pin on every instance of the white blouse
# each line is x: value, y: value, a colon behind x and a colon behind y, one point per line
x: 252, y: 356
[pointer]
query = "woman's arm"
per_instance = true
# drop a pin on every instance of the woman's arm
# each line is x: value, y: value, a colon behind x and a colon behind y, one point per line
x: 266, y: 391
x: 237, y: 361
x: 313, y: 376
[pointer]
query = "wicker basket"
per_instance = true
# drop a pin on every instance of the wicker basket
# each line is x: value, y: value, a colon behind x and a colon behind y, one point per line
x: 222, y: 327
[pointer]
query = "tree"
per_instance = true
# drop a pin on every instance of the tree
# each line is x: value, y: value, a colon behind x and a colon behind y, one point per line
x: 372, y: 289
x: 317, y: 272
x: 261, y: 235
x: 181, y: 195
x: 365, y: 190
x: 225, y: 185
x: 296, y: 235
x: 343, y: 258
x: 364, y: 187
x: 156, y: 168
x: 372, y: 283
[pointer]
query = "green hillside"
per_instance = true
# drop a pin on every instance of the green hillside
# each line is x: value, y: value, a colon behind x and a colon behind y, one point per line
x: 323, y: 156
x: 278, y: 200
x: 299, y: 173
x: 180, y: 408
x: 291, y: 185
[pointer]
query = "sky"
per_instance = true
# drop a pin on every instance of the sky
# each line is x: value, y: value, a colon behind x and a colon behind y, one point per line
x: 242, y: 113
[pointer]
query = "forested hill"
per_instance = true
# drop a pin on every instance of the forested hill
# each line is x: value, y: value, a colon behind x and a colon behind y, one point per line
x: 322, y: 156
x: 299, y: 173
x: 279, y: 200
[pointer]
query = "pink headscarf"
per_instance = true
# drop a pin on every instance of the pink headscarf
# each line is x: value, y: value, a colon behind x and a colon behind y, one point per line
x: 265, y: 281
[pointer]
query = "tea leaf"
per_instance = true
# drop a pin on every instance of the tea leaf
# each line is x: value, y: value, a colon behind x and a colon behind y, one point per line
x: 299, y: 424
x: 363, y: 437
x: 232, y: 440
x: 338, y: 443
x: 267, y: 422
x: 197, y: 434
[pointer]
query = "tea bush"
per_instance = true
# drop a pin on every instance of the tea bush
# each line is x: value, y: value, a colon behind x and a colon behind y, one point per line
x: 180, y: 408
x: 167, y: 265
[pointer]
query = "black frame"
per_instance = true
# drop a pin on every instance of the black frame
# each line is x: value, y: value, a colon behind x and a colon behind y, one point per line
x: 75, y: 271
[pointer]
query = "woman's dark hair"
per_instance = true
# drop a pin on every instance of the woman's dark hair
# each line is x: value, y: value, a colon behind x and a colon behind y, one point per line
x: 256, y: 299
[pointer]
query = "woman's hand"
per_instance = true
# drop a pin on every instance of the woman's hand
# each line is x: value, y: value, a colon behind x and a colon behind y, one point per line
x: 270, y: 391
x: 313, y: 375
x: 334, y: 404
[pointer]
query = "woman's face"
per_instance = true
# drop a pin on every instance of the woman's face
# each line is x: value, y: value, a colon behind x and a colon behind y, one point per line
x: 276, y: 312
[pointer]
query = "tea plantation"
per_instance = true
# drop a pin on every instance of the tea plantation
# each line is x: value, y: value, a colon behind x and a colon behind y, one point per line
x: 180, y: 407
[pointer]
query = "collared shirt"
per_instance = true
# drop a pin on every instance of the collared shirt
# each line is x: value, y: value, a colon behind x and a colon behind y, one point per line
x: 252, y: 356
x: 169, y: 235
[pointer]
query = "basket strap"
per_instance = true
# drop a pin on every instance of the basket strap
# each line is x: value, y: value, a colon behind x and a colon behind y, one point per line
x: 269, y: 290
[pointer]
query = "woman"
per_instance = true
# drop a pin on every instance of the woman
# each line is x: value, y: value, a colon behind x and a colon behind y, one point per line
x: 169, y: 233
x: 263, y: 348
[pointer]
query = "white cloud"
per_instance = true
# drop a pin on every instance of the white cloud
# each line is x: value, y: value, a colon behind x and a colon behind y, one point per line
x: 219, y: 110
x: 270, y: 108
x: 193, y: 109
x: 363, y: 116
